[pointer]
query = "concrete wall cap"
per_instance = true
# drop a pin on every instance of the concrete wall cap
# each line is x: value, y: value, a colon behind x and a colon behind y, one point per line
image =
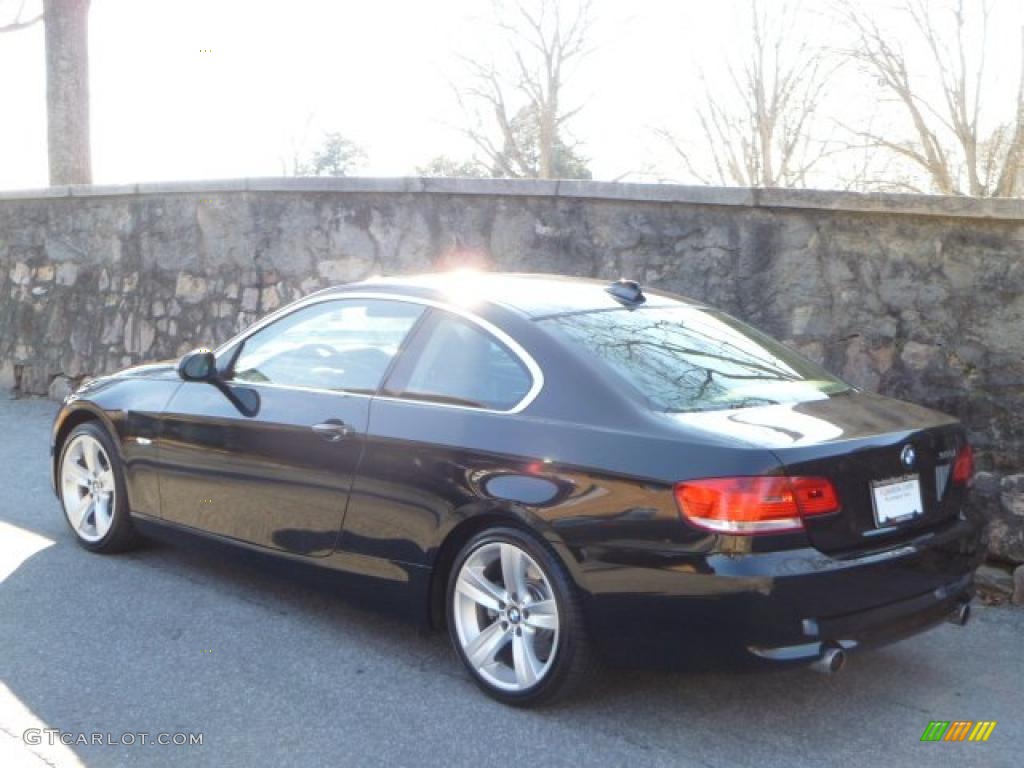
x: 806, y: 199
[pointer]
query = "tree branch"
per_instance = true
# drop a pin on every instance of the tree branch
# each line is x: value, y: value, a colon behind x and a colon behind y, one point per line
x: 18, y: 23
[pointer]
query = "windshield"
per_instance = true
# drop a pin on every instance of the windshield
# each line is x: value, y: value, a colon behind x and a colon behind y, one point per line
x: 690, y: 359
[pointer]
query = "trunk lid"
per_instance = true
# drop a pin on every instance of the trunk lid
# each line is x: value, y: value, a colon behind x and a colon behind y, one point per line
x: 858, y: 440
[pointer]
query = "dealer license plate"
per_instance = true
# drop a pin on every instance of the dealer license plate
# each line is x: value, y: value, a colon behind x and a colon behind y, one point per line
x: 896, y: 499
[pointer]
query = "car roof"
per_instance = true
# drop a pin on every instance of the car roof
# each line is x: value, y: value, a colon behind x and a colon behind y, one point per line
x: 535, y: 295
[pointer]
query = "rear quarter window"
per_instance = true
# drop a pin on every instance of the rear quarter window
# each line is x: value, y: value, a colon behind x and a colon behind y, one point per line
x: 690, y: 359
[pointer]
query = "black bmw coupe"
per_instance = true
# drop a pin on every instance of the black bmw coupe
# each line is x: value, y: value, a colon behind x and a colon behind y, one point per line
x: 559, y: 470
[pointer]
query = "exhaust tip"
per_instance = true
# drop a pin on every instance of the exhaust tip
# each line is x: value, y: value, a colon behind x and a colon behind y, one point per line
x: 832, y: 660
x: 960, y: 615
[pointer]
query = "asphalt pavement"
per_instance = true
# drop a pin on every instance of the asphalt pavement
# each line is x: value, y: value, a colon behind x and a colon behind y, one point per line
x: 271, y: 671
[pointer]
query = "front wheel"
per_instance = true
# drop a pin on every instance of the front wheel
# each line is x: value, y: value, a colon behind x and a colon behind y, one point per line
x: 92, y: 491
x: 515, y: 619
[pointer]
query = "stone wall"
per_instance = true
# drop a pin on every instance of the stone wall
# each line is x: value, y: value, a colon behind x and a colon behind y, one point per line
x: 913, y: 296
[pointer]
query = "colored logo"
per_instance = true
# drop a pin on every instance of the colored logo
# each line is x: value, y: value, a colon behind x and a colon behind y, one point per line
x: 958, y: 730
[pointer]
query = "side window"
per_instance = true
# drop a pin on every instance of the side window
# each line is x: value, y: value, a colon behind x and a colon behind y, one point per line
x: 461, y: 364
x: 344, y: 345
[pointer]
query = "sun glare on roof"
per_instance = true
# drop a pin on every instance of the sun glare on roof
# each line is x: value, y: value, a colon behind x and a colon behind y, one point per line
x: 464, y: 286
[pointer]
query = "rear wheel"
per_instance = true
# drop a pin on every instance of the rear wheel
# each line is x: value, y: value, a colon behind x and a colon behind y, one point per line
x: 515, y: 619
x: 92, y: 491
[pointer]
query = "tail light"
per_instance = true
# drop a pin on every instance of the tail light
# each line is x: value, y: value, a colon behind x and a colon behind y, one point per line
x: 751, y: 505
x: 963, y: 467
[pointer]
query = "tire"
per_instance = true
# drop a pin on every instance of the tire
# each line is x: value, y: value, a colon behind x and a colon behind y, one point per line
x: 516, y: 656
x: 90, y: 481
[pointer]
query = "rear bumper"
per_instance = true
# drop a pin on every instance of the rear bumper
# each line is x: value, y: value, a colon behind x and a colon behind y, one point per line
x: 875, y: 626
x: 779, y: 607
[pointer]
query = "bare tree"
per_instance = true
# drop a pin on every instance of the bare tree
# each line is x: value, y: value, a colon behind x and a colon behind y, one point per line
x: 947, y: 140
x: 513, y: 101
x: 67, y: 90
x: 758, y: 131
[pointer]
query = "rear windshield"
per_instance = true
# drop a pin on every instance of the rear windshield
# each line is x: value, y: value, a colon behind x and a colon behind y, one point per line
x: 689, y: 359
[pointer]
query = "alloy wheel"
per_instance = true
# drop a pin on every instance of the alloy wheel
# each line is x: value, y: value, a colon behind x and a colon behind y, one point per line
x: 88, y: 491
x: 506, y: 617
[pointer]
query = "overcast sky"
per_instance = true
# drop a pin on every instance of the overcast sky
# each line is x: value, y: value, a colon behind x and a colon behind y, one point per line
x: 280, y: 74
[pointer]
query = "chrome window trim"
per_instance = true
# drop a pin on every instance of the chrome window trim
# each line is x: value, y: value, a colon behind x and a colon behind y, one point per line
x: 536, y: 374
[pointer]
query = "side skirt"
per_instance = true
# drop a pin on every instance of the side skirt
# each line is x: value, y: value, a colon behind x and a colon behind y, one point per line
x: 398, y: 589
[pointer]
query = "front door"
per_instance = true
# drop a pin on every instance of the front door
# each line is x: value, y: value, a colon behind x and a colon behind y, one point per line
x: 277, y: 474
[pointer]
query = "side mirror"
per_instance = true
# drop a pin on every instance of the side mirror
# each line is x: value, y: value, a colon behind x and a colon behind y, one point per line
x: 198, y: 365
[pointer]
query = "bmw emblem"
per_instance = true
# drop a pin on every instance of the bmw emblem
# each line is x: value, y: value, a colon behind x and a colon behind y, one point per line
x: 908, y: 456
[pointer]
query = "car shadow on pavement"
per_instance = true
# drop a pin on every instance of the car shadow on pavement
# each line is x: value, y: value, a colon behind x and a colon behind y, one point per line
x: 179, y: 638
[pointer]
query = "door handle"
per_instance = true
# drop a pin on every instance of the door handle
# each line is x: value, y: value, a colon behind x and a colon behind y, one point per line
x: 332, y: 430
